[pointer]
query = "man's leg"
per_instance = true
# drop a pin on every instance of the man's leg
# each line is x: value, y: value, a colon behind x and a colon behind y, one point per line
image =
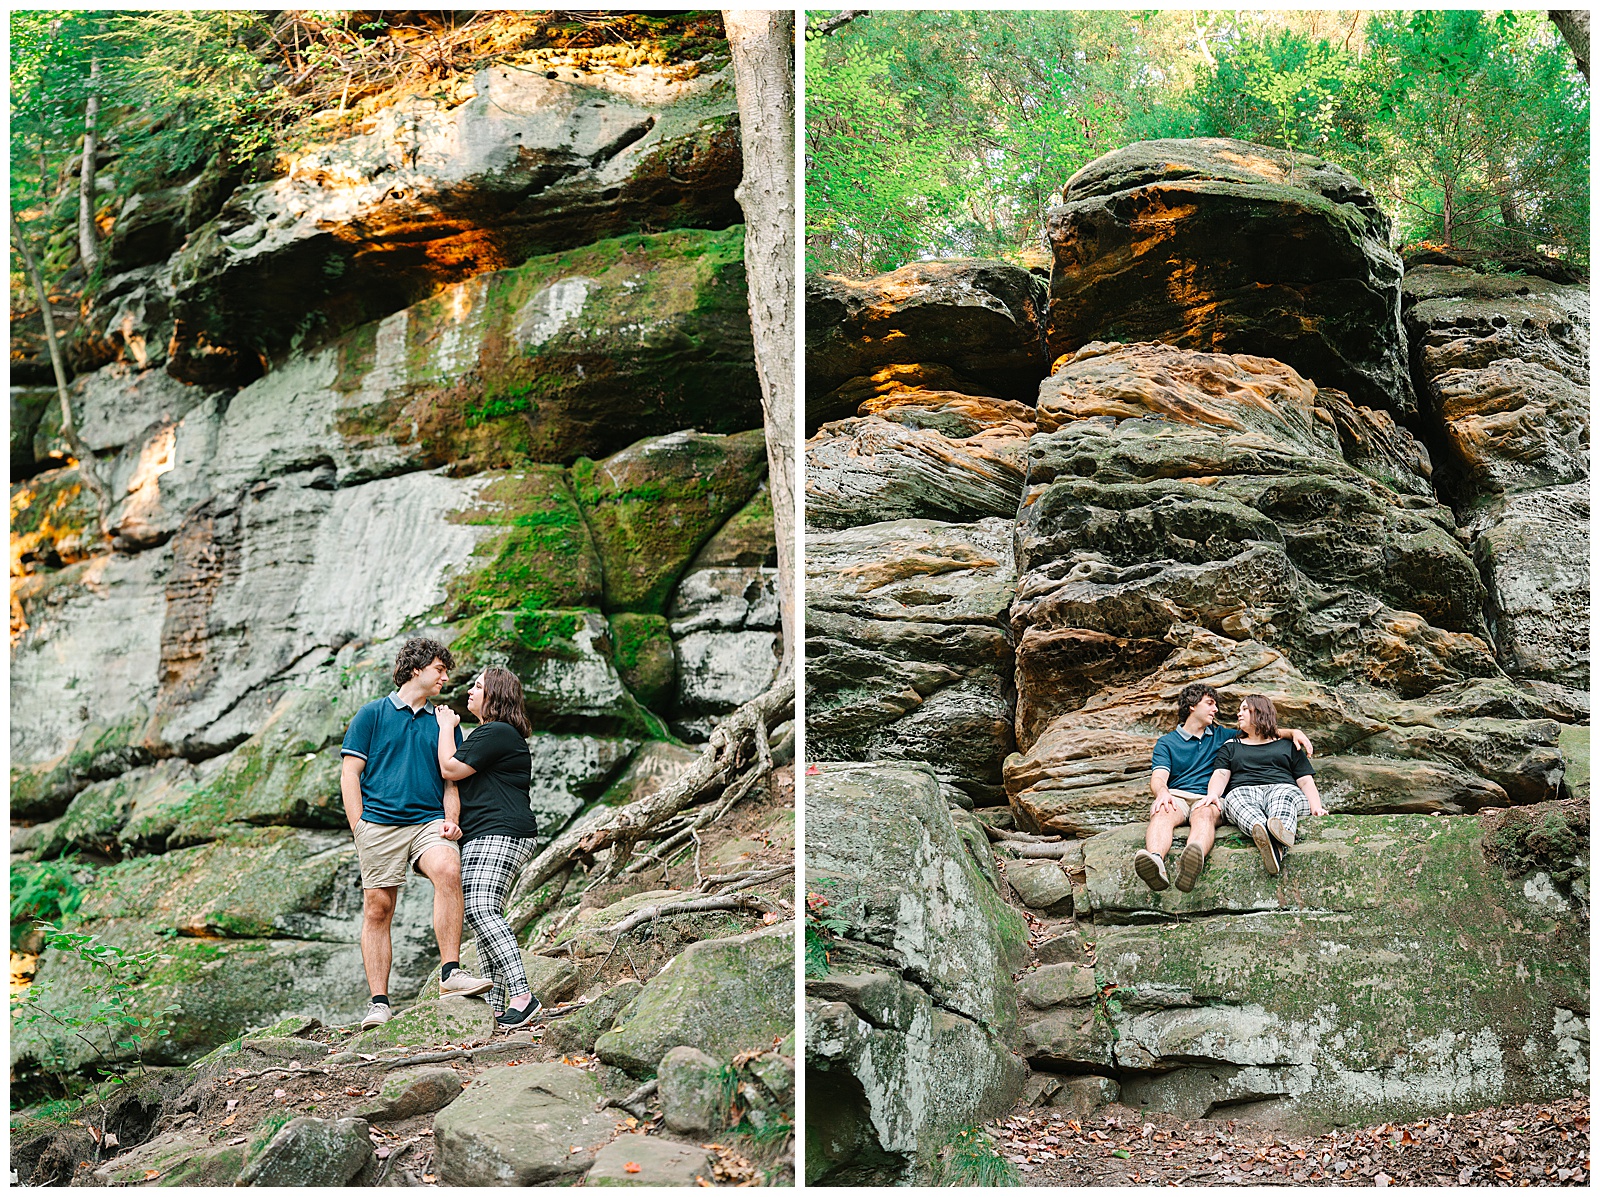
x: 377, y: 952
x: 1158, y: 832
x: 1202, y: 835
x: 442, y: 866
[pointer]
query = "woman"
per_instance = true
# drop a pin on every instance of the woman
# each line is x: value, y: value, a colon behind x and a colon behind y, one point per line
x: 1262, y: 782
x: 493, y: 768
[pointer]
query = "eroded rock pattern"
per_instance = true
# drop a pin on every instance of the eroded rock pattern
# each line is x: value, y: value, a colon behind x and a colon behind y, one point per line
x: 1236, y: 471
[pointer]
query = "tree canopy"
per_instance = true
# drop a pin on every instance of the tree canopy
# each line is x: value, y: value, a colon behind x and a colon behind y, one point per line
x: 941, y: 133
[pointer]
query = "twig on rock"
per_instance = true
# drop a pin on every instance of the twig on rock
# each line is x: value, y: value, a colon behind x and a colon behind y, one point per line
x: 1001, y: 835
x: 1038, y: 851
x: 648, y: 914
x: 459, y: 1053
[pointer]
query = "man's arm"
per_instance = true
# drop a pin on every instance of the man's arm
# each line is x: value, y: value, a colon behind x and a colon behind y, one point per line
x: 1158, y: 787
x: 1298, y: 736
x: 350, y: 789
x: 452, y: 811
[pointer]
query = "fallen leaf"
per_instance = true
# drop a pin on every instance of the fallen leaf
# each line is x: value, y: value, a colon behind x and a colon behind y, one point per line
x: 1382, y: 1180
x: 151, y: 1173
x: 111, y: 1140
x: 233, y: 1102
x: 630, y: 1166
x: 228, y: 1121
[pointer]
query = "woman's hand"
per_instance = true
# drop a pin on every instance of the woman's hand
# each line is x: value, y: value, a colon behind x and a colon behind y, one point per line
x: 1317, y: 808
x: 447, y: 718
x: 1309, y: 789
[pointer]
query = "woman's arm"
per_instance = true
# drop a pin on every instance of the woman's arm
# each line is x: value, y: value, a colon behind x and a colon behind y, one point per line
x: 1308, y: 787
x: 1219, y: 782
x: 452, y: 769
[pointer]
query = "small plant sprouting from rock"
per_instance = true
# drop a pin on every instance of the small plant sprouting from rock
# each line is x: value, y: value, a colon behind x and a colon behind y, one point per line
x: 42, y: 893
x: 820, y: 928
x: 969, y: 1159
x: 108, y: 1023
x: 1108, y: 1004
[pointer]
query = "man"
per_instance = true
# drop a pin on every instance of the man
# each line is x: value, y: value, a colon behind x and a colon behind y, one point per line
x: 404, y: 816
x: 1180, y: 768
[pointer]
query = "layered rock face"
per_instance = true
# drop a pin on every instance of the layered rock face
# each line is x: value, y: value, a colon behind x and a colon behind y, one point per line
x: 430, y: 192
x: 557, y: 466
x: 1266, y: 489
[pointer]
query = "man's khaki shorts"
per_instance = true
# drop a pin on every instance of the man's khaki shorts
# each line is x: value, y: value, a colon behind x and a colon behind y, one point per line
x: 385, y: 851
x: 1186, y: 800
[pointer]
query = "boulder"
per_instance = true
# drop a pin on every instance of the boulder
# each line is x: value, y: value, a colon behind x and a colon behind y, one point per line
x: 1058, y: 984
x: 571, y: 771
x: 1534, y: 552
x: 910, y: 1043
x: 907, y: 650
x: 968, y: 315
x: 528, y: 1125
x: 640, y: 1159
x: 576, y: 1032
x: 458, y: 1021
x: 656, y: 764
x: 1223, y: 245
x: 547, y: 164
x: 641, y: 647
x: 413, y: 1091
x: 654, y: 505
x: 1083, y: 1095
x: 1215, y: 1009
x: 312, y: 1152
x: 1041, y: 884
x: 177, y: 1158
x: 696, y: 1091
x: 722, y: 996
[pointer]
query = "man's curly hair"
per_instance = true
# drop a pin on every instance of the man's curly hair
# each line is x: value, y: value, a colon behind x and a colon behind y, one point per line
x: 417, y: 654
x: 1188, y: 698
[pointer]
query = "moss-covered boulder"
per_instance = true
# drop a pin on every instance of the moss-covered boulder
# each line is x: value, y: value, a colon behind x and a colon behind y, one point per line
x: 456, y: 1021
x: 746, y: 540
x: 1369, y: 982
x: 655, y: 504
x: 723, y: 996
x: 541, y: 554
x: 576, y: 1032
x: 641, y: 647
x: 564, y: 659
x: 174, y: 1159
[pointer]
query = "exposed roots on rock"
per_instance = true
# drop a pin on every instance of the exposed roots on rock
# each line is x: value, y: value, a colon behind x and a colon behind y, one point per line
x: 634, y: 1103
x: 735, y: 759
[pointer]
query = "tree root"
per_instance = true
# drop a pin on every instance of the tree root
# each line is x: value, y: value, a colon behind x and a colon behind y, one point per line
x: 733, y: 746
x: 634, y: 1103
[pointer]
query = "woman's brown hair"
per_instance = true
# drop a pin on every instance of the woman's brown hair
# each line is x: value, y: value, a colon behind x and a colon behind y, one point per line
x: 1263, y: 716
x: 502, y: 700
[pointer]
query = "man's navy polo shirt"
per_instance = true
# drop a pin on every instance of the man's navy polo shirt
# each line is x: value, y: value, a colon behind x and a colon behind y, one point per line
x: 400, y: 784
x: 1190, y: 760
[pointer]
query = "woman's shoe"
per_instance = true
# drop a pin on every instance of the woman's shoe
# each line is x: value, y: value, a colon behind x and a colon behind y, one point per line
x: 1268, y: 849
x: 1281, y: 833
x: 514, y: 1019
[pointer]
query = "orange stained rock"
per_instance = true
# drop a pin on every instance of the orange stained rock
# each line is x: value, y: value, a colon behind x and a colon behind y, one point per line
x: 874, y: 575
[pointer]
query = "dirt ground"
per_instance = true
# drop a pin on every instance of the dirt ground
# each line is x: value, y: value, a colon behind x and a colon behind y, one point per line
x: 1504, y: 1146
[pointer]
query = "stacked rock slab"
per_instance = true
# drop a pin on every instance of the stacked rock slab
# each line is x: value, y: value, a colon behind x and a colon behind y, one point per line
x: 555, y: 463
x: 1228, y: 477
x: 908, y: 1035
x: 1503, y: 366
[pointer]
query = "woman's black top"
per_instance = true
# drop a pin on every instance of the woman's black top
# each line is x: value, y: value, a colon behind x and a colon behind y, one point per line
x: 1278, y: 762
x: 494, y: 800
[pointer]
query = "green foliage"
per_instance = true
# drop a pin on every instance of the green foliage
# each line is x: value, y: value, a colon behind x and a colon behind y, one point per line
x: 970, y: 1160
x: 820, y: 929
x: 44, y: 891
x: 103, y: 1015
x: 951, y: 133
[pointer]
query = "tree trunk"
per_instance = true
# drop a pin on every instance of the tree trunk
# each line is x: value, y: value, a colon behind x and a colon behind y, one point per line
x: 69, y: 427
x: 1574, y: 26
x: 762, y: 47
x: 88, y: 240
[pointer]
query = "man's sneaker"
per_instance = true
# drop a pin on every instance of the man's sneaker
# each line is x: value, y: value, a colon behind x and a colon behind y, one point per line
x: 463, y: 984
x: 512, y: 1019
x: 377, y: 1014
x: 1189, y: 866
x: 1268, y: 849
x: 1281, y: 833
x: 1151, y: 868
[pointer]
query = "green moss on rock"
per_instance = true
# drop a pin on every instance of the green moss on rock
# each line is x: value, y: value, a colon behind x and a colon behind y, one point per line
x: 643, y: 653
x: 655, y: 504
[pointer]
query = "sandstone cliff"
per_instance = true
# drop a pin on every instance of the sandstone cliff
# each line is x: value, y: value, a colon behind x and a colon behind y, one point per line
x: 482, y: 370
x: 1261, y: 456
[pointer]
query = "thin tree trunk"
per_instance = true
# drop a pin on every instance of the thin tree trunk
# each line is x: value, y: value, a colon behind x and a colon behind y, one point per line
x: 88, y: 240
x: 69, y: 427
x: 762, y: 48
x: 1574, y: 27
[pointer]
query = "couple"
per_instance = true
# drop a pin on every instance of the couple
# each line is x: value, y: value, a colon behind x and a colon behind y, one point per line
x: 420, y: 797
x: 1258, y: 778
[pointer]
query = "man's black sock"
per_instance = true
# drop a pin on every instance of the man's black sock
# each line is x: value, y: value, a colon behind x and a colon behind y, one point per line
x: 444, y: 973
x: 380, y: 999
